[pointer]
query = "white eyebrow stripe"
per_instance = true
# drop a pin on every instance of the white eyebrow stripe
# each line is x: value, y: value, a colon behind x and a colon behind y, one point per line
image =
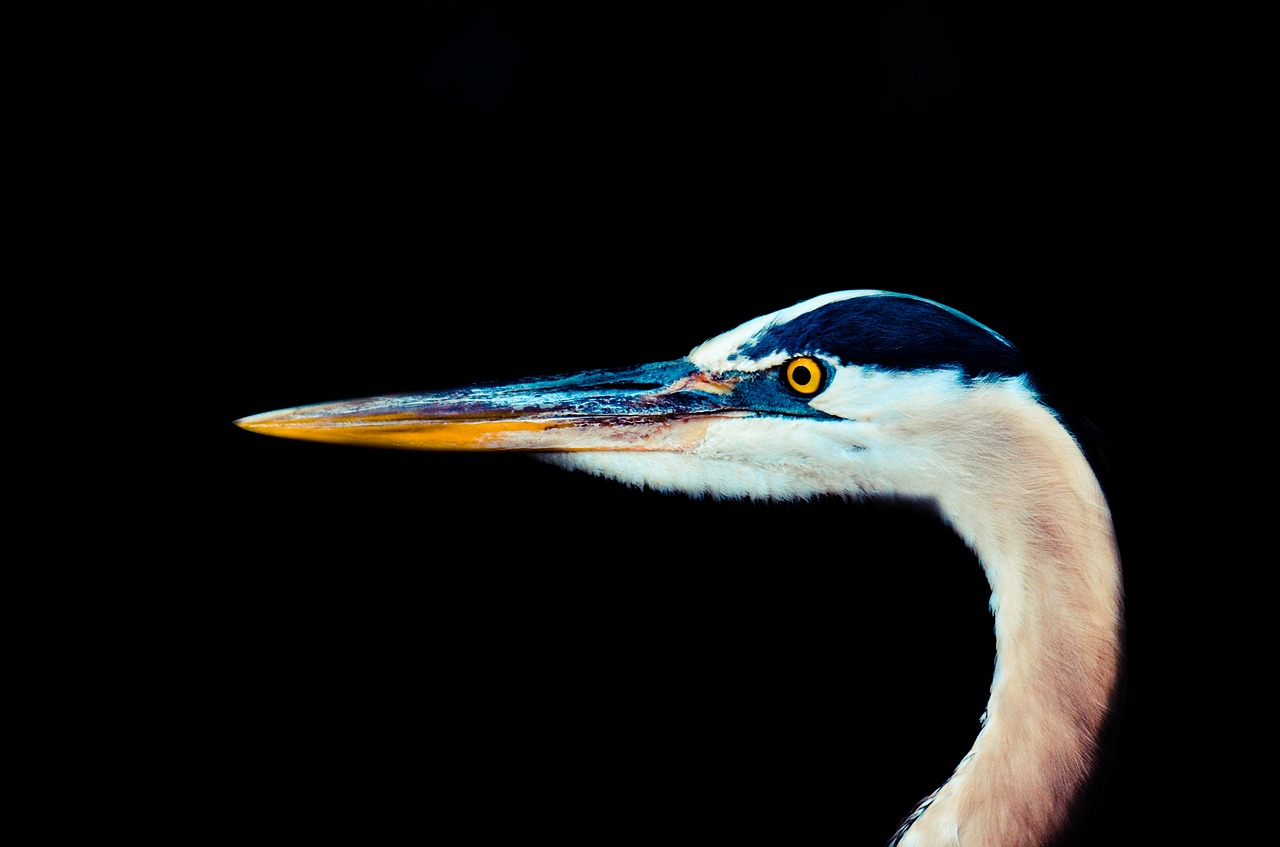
x: 716, y: 354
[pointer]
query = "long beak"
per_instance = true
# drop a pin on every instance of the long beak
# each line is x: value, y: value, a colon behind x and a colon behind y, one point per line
x: 660, y: 407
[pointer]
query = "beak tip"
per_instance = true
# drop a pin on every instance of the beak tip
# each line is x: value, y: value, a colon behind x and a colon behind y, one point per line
x: 254, y: 422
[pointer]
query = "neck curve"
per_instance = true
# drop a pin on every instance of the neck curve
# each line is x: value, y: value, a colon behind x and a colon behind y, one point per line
x: 1036, y: 517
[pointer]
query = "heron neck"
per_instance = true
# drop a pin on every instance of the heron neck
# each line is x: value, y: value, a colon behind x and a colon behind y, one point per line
x: 1039, y: 524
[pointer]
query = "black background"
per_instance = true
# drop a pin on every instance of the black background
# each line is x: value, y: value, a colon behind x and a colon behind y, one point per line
x: 345, y: 200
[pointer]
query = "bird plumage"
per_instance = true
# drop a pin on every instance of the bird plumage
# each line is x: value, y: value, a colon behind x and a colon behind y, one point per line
x: 858, y: 394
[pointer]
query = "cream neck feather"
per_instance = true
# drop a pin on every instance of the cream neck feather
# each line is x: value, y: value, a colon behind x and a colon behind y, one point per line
x: 1036, y: 517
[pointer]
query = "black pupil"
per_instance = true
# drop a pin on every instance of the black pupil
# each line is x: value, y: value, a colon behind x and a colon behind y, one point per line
x: 801, y: 375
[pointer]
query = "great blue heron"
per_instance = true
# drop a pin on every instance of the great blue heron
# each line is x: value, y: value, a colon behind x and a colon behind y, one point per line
x: 853, y: 393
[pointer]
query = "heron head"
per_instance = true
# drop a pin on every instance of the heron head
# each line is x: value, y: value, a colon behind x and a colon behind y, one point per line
x: 812, y: 399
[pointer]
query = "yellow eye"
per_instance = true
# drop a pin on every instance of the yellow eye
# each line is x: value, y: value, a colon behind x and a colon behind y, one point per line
x: 804, y: 375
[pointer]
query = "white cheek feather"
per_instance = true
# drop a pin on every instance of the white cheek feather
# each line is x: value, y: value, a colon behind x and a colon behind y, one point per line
x: 665, y: 472
x: 895, y: 417
x: 887, y: 443
x: 721, y: 464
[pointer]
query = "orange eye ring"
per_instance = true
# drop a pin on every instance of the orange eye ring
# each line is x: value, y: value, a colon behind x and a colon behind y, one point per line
x: 804, y: 375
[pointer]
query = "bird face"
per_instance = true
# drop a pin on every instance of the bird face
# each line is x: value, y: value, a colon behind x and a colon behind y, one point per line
x: 785, y: 406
